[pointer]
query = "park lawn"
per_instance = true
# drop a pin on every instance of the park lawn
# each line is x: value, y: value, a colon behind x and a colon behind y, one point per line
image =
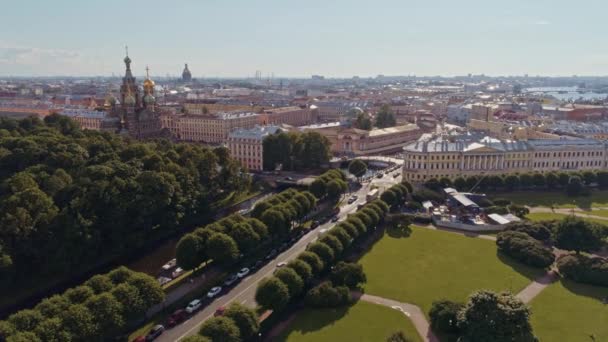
x: 568, y: 311
x: 598, y: 198
x: 360, y: 322
x: 599, y: 212
x: 430, y: 265
x: 558, y: 216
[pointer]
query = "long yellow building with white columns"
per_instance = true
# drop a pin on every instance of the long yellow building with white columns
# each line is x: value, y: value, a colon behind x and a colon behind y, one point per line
x: 456, y: 156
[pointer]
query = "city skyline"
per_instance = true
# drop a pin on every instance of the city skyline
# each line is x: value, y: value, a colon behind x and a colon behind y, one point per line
x: 337, y: 39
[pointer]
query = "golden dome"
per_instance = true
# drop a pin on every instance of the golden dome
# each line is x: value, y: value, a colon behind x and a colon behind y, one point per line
x: 148, y: 83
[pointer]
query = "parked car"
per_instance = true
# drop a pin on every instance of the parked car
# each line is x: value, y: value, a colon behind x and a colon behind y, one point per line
x: 193, y: 306
x: 178, y: 271
x: 314, y: 224
x: 396, y: 174
x: 271, y: 254
x: 243, y: 272
x: 156, y: 331
x: 379, y: 175
x: 170, y: 264
x: 335, y: 219
x: 163, y: 280
x: 219, y: 311
x: 140, y: 339
x: 214, y: 291
x: 284, y: 247
x: 257, y: 265
x: 231, y: 280
x: 281, y: 264
x: 177, y: 317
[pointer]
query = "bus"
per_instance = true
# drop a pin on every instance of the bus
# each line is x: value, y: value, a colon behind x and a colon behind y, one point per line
x: 372, y: 195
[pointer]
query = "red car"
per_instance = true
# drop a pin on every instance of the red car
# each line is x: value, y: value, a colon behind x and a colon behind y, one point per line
x: 177, y: 317
x: 140, y: 339
x: 219, y: 311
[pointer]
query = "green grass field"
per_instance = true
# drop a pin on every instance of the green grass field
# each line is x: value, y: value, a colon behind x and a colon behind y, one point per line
x: 567, y: 311
x: 361, y: 322
x: 597, y: 198
x: 600, y: 212
x: 558, y: 216
x: 430, y: 265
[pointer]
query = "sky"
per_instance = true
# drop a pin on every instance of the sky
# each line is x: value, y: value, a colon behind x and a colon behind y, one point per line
x: 334, y: 38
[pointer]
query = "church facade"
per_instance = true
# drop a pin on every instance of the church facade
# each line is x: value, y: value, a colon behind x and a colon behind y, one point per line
x: 136, y: 111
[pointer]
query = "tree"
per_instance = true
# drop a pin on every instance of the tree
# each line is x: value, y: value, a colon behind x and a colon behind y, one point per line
x: 584, y: 269
x: 573, y: 233
x: 107, y: 313
x: 196, y: 338
x: 552, y: 180
x: 334, y: 243
x: 318, y: 188
x: 133, y: 304
x: 488, y: 316
x: 602, y: 179
x: 272, y: 294
x: 302, y: 268
x: 355, y: 221
x: 24, y: 336
x: 187, y: 252
x: 444, y: 316
x: 589, y: 177
x: 99, y: 283
x: 313, y: 260
x: 79, y: 322
x: 245, y: 237
x: 325, y: 253
x: 148, y: 288
x: 385, y: 117
x: 336, y: 188
x: 294, y: 282
x: 389, y: 197
x: 512, y: 182
x: 397, y: 336
x: 348, y: 274
x: 363, y: 121
x: 460, y: 184
x: 25, y: 320
x: 276, y: 222
x: 246, y: 319
x: 349, y: 229
x: 522, y: 247
x: 563, y: 179
x: 325, y: 295
x: 538, y: 179
x: 52, y: 330
x: 357, y: 167
x: 575, y: 186
x: 220, y: 329
x: 79, y: 294
x: 53, y: 306
x: 222, y: 248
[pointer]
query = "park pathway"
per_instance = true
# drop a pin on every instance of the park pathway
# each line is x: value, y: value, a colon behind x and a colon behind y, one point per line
x: 461, y: 232
x: 566, y: 211
x: 537, y: 286
x: 410, y: 310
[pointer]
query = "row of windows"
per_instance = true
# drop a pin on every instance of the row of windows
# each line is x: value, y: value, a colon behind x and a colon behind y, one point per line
x: 569, y: 154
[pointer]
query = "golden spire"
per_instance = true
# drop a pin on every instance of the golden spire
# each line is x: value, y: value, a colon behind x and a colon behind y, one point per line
x: 148, y: 83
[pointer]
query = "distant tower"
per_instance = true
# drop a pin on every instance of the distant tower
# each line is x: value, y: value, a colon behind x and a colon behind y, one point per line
x: 129, y: 92
x: 186, y: 75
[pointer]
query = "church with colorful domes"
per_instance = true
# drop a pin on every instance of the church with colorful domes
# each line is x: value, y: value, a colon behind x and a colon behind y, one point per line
x: 136, y: 112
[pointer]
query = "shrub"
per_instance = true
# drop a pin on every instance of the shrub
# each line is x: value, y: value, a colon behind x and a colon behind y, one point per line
x: 424, y: 194
x: 348, y: 274
x: 325, y: 295
x: 501, y: 201
x: 522, y: 247
x: 538, y: 230
x: 584, y: 269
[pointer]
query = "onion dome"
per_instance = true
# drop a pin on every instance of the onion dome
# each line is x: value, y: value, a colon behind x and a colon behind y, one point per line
x: 110, y: 100
x: 130, y: 100
x: 149, y: 99
x: 148, y: 83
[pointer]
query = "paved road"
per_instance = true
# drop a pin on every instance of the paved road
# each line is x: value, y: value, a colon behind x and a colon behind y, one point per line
x: 537, y: 286
x: 244, y: 292
x: 566, y: 211
x: 410, y: 310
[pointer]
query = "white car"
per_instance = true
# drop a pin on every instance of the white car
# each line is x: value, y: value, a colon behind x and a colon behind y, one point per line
x: 170, y: 264
x: 214, y: 292
x: 243, y: 272
x: 194, y: 306
x: 281, y: 264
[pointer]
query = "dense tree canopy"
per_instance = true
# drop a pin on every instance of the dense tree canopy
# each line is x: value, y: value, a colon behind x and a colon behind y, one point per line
x: 70, y: 198
x: 385, y: 117
x: 295, y: 151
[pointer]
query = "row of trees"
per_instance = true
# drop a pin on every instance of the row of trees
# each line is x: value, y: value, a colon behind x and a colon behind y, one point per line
x: 238, y: 323
x: 70, y: 198
x: 296, y: 151
x: 573, y: 182
x: 98, y: 310
x: 224, y: 240
x: 332, y: 184
x: 487, y: 316
x: 275, y: 292
x: 395, y: 195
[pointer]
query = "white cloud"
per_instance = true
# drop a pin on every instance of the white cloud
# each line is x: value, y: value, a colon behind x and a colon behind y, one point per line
x: 542, y: 22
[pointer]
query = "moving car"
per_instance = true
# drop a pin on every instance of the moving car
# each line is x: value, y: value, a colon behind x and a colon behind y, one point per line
x: 281, y: 264
x: 231, y: 280
x: 243, y: 272
x: 214, y: 291
x: 177, y: 317
x: 156, y: 331
x: 193, y: 306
